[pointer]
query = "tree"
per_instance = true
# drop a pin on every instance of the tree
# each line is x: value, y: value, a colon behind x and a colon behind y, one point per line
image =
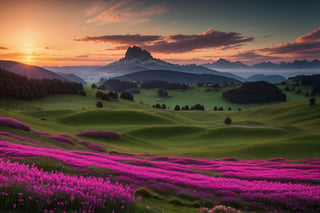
x: 127, y: 96
x: 186, y: 107
x: 157, y: 106
x: 312, y: 101
x: 163, y: 106
x: 162, y: 93
x: 99, y: 104
x: 215, y: 108
x: 307, y: 94
x: 83, y: 93
x: 177, y: 108
x: 105, y: 97
x: 228, y: 121
x: 93, y: 86
x: 99, y: 94
x: 229, y: 109
x: 220, y: 109
x: 113, y: 95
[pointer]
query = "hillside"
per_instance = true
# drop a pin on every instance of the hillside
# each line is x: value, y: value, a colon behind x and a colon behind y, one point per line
x: 29, y: 71
x: 36, y: 72
x: 255, y: 92
x: 267, y: 78
x: 158, y: 154
x: 174, y: 77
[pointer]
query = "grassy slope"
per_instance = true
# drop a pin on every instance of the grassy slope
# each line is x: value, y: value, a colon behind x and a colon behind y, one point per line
x: 208, y: 99
x: 287, y: 130
x: 281, y: 130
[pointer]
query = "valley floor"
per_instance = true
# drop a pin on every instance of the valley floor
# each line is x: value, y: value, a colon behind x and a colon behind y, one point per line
x: 266, y: 160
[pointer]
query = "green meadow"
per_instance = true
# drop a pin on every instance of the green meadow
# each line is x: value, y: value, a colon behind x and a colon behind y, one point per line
x: 288, y: 130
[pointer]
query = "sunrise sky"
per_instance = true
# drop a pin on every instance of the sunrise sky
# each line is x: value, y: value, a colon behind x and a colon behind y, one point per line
x: 97, y: 32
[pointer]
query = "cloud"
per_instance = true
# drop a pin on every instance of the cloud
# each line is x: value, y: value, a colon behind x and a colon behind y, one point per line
x: 306, y: 46
x: 177, y: 43
x: 130, y: 11
x: 82, y: 56
x: 3, y: 48
x: 129, y: 39
x: 253, y: 56
x: 310, y: 37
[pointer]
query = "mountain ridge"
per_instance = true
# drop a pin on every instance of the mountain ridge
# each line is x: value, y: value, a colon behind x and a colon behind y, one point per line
x: 296, y: 64
x: 36, y: 72
x: 137, y: 59
x: 175, y: 77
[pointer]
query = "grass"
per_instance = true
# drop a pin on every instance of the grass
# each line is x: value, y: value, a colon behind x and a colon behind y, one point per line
x: 287, y: 130
x: 208, y: 99
x: 280, y: 127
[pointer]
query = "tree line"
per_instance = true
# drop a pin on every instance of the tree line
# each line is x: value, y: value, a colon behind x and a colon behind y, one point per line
x: 16, y: 86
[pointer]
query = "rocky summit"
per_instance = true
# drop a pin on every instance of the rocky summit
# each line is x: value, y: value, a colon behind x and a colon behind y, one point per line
x: 137, y: 53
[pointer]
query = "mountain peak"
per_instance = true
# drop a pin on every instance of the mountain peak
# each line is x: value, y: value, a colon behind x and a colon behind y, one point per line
x: 135, y: 52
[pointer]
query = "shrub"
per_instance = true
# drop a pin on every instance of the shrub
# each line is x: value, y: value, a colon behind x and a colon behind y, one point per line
x: 177, y: 108
x: 99, y: 104
x: 312, y: 101
x: 100, y: 134
x: 228, y: 121
x: 93, y: 86
x: 10, y: 122
x: 93, y: 146
x: 162, y: 93
x: 62, y: 138
x: 127, y: 96
x: 96, y: 147
x: 99, y: 94
x: 105, y: 97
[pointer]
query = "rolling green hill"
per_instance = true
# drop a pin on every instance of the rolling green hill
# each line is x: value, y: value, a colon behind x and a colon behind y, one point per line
x: 278, y: 130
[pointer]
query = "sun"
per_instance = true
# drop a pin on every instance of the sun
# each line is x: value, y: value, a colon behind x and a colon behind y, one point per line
x: 29, y: 59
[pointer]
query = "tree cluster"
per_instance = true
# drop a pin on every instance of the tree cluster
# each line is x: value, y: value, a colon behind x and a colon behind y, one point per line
x: 117, y: 85
x: 162, y: 93
x: 311, y: 80
x: 107, y: 96
x: 186, y: 107
x: 255, y: 92
x: 17, y: 86
x: 126, y: 96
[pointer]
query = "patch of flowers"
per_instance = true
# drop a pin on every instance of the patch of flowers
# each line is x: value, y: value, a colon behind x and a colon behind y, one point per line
x: 13, y: 123
x: 100, y: 134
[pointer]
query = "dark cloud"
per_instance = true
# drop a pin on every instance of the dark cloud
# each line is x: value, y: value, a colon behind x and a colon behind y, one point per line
x: 302, y: 46
x: 310, y: 37
x: 3, y: 48
x: 251, y: 55
x: 209, y: 39
x: 177, y: 43
x: 128, y: 39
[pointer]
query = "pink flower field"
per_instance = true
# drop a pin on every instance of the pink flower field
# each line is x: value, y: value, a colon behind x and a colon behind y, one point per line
x: 251, y: 185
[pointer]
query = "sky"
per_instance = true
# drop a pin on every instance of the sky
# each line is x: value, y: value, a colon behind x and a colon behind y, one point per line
x: 98, y: 32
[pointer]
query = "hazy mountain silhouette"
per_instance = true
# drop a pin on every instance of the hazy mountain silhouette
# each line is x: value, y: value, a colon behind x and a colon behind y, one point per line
x: 36, y: 72
x: 136, y: 60
x: 297, y: 64
x: 266, y: 78
x: 175, y: 77
x: 225, y: 64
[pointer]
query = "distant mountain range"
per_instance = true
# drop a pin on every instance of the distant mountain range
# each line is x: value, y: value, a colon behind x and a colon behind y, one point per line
x: 36, y: 72
x: 266, y: 78
x: 175, y: 77
x: 136, y: 60
x: 297, y: 64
